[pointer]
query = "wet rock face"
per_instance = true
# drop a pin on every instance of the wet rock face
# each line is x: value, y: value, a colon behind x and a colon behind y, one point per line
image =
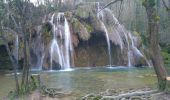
x: 88, y: 39
x: 94, y: 52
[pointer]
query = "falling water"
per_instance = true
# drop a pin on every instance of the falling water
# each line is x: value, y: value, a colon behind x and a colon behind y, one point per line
x: 134, y: 48
x: 119, y: 33
x: 108, y: 43
x: 54, y: 49
x: 106, y: 32
x: 60, y: 52
x: 68, y: 44
x: 41, y: 61
x: 137, y: 51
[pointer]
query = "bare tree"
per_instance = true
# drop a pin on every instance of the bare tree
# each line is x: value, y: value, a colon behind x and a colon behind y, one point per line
x: 19, y: 22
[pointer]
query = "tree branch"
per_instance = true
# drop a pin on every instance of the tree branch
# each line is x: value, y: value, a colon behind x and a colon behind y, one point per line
x: 6, y: 29
x: 109, y: 4
x: 164, y: 3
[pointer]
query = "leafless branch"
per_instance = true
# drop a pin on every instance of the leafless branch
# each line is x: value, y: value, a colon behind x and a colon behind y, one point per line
x: 120, y: 9
x: 6, y: 29
x: 110, y: 4
x: 164, y: 3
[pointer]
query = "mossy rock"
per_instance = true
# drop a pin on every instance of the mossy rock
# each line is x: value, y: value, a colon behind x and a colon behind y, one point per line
x: 95, y: 22
x: 84, y: 11
x: 88, y: 27
x: 80, y: 29
x: 47, y: 32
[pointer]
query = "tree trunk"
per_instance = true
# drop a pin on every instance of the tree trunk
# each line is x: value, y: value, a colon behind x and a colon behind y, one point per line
x: 153, y: 29
x: 25, y: 76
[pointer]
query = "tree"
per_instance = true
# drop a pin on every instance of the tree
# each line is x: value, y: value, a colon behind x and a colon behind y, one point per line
x: 18, y: 22
x: 12, y: 58
x: 155, y: 55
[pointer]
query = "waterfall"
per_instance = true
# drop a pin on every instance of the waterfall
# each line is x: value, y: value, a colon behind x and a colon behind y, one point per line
x: 60, y: 50
x: 54, y: 49
x: 118, y: 30
x: 106, y: 33
x: 108, y: 43
x: 119, y: 34
x: 137, y: 51
x: 68, y: 44
x: 134, y: 48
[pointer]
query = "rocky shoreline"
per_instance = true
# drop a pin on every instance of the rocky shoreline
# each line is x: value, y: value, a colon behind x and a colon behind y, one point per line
x: 109, y: 94
x: 132, y: 94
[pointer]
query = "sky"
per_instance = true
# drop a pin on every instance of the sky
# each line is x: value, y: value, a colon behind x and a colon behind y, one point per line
x: 35, y: 1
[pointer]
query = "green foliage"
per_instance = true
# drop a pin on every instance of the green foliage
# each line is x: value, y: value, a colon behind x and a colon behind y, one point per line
x: 166, y: 57
x: 33, y: 85
x: 81, y: 29
x: 149, y: 3
x: 88, y: 27
x: 145, y: 39
x: 157, y: 18
x: 47, y: 32
x: 12, y: 95
x: 166, y: 53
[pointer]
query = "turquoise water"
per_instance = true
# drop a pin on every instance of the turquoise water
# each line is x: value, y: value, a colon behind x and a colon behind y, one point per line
x: 89, y: 80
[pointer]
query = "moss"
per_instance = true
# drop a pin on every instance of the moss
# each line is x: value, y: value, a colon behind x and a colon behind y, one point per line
x: 162, y: 85
x: 148, y: 3
x: 157, y: 18
x: 68, y: 15
x: 136, y: 33
x: 80, y: 29
x: 47, y: 32
x: 88, y: 27
x: 84, y: 11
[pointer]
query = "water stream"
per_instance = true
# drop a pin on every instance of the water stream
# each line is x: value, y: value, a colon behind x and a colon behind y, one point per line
x: 61, y: 49
x: 106, y: 33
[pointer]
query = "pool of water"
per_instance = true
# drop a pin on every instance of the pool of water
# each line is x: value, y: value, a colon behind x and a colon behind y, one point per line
x: 82, y: 81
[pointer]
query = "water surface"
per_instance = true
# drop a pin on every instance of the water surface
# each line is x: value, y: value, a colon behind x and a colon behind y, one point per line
x: 89, y: 80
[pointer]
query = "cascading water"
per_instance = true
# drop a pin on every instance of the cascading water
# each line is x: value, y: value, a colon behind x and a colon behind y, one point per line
x: 119, y: 34
x: 60, y: 52
x: 137, y: 51
x: 68, y: 44
x: 54, y: 49
x: 61, y: 49
x: 134, y: 48
x: 106, y: 32
x: 108, y: 43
